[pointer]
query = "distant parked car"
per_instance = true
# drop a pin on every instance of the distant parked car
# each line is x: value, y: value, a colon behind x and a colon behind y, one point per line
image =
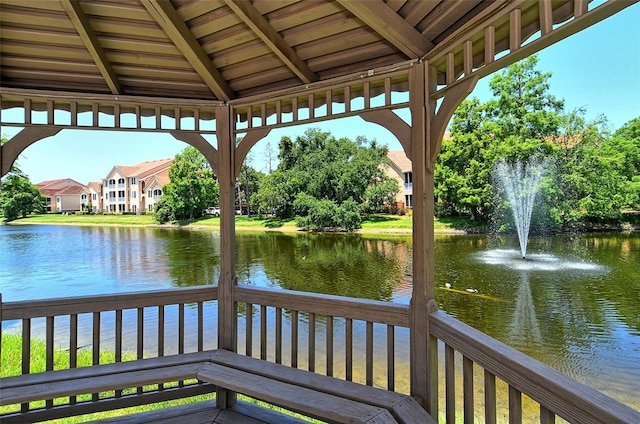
x: 238, y: 211
x: 212, y: 211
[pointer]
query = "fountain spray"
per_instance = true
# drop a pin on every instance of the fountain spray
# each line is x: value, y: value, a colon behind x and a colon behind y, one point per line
x: 520, y: 181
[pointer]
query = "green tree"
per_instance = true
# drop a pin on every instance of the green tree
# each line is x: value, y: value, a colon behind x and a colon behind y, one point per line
x: 325, y: 181
x: 627, y: 140
x: 18, y: 197
x: 192, y: 189
x: 247, y: 184
x: 515, y: 125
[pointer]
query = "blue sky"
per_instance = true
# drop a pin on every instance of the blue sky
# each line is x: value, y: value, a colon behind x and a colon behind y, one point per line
x: 598, y: 68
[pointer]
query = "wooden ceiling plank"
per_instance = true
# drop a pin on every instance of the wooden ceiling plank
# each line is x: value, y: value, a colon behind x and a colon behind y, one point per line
x: 383, y: 20
x: 175, y: 28
x: 90, y: 40
x: 261, y: 27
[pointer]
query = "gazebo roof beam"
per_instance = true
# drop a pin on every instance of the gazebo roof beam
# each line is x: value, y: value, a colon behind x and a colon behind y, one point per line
x: 175, y: 28
x: 391, y: 26
x: 90, y: 40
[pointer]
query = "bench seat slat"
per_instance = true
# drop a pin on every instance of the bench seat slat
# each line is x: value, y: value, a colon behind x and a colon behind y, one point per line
x: 106, y: 369
x: 301, y: 399
x: 94, y: 384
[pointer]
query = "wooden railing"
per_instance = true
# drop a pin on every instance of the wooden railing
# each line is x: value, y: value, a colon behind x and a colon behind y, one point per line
x: 508, y: 374
x: 352, y: 339
x: 126, y: 326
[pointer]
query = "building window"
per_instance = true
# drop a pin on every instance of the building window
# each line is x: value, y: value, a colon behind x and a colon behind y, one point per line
x: 150, y: 207
x: 133, y: 180
x: 134, y: 208
x: 94, y: 196
x: 408, y: 181
x: 408, y: 201
x: 408, y: 177
x: 150, y: 193
x: 133, y: 194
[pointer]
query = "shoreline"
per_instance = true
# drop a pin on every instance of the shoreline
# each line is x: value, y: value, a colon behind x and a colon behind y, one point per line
x: 243, y: 228
x: 291, y: 229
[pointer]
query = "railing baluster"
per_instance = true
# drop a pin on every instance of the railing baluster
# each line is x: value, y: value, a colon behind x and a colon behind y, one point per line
x: 96, y: 347
x: 490, y: 413
x: 467, y: 388
x: 329, y: 349
x: 391, y: 358
x: 278, y: 335
x: 515, y: 405
x: 348, y: 349
x: 248, y: 343
x: 49, y: 354
x: 181, y: 328
x: 140, y: 341
x: 118, y: 346
x: 200, y: 326
x: 369, y: 354
x: 161, y: 336
x: 181, y: 335
x: 450, y: 383
x: 26, y: 353
x: 294, y: 339
x: 73, y: 346
x: 546, y: 416
x: 312, y: 342
x: 263, y: 332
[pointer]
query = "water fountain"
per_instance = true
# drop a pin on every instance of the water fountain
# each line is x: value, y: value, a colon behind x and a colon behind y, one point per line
x: 520, y: 181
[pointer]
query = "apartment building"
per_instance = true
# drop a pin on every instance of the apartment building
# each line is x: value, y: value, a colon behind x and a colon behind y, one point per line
x: 92, y: 196
x: 152, y: 188
x: 62, y: 195
x: 400, y: 170
x: 129, y: 188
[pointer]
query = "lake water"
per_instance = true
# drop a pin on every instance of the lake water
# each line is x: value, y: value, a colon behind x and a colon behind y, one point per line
x: 573, y: 304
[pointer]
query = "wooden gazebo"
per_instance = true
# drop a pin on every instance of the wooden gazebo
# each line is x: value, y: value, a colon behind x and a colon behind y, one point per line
x: 240, y: 68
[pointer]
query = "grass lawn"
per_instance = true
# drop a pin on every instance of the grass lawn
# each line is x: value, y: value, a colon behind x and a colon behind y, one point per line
x: 371, y: 224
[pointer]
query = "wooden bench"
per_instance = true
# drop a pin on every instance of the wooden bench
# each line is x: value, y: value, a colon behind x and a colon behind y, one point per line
x: 404, y: 409
x: 314, y: 395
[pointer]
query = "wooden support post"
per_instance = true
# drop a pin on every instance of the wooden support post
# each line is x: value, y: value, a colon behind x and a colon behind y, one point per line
x: 423, y: 297
x: 227, y: 316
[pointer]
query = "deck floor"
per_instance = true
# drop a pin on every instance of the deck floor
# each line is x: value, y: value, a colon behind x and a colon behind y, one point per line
x: 207, y: 413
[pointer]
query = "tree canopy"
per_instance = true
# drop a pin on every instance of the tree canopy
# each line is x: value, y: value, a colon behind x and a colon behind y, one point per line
x: 326, y: 182
x: 592, y: 174
x: 192, y: 189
